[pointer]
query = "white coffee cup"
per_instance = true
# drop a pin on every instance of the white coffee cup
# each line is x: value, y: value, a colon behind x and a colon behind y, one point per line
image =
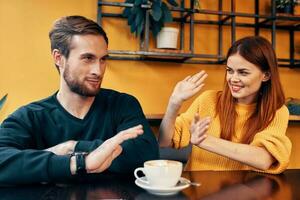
x: 160, y: 173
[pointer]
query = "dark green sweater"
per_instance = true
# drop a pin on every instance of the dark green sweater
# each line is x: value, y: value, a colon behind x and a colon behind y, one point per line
x: 43, y: 124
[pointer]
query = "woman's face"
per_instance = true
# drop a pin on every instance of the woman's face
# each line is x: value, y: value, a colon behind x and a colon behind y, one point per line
x: 244, y: 79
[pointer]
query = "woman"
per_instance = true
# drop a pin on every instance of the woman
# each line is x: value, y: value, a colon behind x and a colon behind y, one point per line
x: 240, y: 128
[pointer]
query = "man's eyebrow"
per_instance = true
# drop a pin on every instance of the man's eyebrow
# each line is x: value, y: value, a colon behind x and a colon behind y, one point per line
x: 105, y: 56
x: 87, y: 54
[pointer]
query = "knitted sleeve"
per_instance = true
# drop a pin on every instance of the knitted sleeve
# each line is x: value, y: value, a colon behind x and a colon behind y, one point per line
x: 181, y: 137
x: 275, y: 141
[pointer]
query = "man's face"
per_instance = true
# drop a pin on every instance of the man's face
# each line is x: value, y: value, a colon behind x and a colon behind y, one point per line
x: 83, y: 71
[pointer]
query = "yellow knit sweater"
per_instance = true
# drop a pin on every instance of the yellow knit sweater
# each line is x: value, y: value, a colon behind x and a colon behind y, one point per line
x: 272, y: 138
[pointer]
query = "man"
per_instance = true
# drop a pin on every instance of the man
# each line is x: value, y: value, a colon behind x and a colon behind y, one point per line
x: 79, y: 129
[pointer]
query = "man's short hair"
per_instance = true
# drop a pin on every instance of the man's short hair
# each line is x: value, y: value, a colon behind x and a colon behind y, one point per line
x: 66, y: 27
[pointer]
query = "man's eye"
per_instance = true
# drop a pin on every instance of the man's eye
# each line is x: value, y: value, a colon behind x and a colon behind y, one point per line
x: 88, y: 58
x: 103, y: 60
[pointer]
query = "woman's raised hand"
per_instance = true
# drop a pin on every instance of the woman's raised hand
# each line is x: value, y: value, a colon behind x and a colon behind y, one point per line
x: 188, y: 87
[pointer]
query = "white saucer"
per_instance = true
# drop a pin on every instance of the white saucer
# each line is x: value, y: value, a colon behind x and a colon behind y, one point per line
x: 163, y: 191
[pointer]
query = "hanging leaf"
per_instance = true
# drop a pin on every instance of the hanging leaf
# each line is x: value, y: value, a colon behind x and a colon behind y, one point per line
x: 126, y: 12
x: 132, y: 27
x: 167, y: 15
x: 138, y: 2
x: 2, y: 101
x: 156, y: 10
x: 173, y: 3
x: 139, y: 21
x: 129, y: 1
x: 131, y: 19
x: 156, y: 27
x: 140, y: 28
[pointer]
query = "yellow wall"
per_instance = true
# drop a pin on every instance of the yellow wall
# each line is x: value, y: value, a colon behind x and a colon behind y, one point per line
x: 27, y: 71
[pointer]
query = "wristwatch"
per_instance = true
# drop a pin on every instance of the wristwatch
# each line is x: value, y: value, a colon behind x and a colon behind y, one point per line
x: 80, y: 162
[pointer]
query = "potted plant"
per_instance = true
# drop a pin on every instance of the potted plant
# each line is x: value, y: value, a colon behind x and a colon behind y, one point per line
x: 285, y: 6
x: 159, y: 15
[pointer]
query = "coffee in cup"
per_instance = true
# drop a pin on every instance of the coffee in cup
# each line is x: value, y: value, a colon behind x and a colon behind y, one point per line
x: 160, y: 173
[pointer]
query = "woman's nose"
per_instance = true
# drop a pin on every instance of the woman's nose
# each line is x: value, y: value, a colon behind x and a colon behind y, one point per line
x: 235, y: 77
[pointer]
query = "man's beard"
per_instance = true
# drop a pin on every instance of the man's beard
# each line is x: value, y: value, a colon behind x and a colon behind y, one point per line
x: 76, y: 87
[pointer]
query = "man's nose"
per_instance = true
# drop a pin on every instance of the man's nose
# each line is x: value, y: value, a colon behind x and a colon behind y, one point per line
x: 96, y: 69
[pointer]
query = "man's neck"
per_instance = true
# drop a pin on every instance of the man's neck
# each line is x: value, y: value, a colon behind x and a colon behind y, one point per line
x: 75, y: 104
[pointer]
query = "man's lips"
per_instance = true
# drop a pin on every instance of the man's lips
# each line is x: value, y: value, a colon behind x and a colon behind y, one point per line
x: 93, y: 81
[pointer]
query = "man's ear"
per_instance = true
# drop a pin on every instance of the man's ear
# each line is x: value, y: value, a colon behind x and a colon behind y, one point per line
x: 57, y: 57
x: 267, y: 76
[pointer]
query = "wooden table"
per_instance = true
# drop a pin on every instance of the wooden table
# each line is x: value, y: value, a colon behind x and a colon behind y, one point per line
x: 215, y: 185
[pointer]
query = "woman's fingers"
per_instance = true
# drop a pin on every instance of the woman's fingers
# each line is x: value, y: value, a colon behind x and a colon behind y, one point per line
x: 203, y: 122
x: 200, y: 139
x: 187, y: 78
x: 200, y: 79
x: 199, y: 76
x: 199, y: 128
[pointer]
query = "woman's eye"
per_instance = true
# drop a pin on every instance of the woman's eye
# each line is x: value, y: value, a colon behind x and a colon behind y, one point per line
x: 229, y: 71
x: 244, y: 73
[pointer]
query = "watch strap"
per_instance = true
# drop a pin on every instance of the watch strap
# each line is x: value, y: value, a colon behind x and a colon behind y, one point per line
x: 80, y: 162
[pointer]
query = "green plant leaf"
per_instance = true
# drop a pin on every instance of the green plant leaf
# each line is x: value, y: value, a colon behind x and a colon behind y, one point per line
x: 2, y: 101
x: 138, y: 2
x: 156, y: 26
x: 167, y: 15
x: 126, y: 12
x: 131, y: 18
x: 140, y: 28
x: 173, y: 3
x: 140, y: 15
x: 132, y: 27
x: 156, y: 11
x: 135, y: 9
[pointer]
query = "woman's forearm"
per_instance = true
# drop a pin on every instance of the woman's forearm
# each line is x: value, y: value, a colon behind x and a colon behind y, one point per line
x: 166, y: 129
x: 257, y: 157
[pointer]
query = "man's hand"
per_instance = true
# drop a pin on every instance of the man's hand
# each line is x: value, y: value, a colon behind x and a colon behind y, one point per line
x: 188, y: 87
x: 198, y: 129
x: 63, y: 148
x: 101, y: 158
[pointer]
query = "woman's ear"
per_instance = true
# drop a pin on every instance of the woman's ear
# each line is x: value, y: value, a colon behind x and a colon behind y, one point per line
x: 267, y: 76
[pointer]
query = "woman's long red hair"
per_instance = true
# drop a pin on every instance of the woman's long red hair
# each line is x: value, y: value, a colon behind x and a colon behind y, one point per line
x: 259, y: 52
